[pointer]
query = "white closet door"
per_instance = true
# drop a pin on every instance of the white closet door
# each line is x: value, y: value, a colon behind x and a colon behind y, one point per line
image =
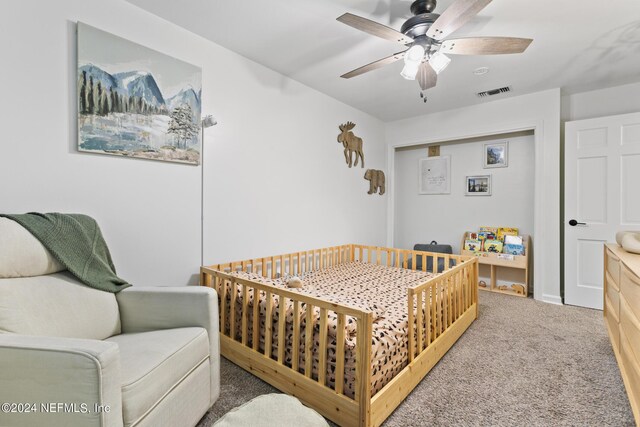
x: 602, y: 196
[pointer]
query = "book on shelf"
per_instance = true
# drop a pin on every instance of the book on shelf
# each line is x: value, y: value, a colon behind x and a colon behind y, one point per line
x: 486, y: 235
x: 472, y: 245
x: 493, y: 230
x: 493, y: 246
x: 506, y: 231
x: 512, y: 240
x: 513, y: 249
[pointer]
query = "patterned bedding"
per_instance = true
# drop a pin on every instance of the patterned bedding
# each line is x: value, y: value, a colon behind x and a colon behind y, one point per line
x: 380, y: 289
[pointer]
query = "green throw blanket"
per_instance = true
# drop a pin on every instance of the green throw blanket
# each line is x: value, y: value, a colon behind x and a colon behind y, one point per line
x: 77, y: 243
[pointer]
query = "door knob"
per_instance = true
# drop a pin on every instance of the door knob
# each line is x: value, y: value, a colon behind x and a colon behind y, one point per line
x: 573, y: 223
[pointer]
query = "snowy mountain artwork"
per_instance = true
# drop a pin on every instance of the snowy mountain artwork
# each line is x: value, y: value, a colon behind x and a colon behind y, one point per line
x: 136, y: 102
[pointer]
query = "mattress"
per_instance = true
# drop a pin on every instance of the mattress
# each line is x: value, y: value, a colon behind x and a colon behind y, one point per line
x: 379, y: 289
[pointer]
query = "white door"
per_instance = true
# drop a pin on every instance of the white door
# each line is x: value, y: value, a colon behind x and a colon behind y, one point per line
x: 602, y: 197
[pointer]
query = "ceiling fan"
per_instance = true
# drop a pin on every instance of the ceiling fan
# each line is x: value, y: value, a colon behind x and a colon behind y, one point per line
x: 425, y: 35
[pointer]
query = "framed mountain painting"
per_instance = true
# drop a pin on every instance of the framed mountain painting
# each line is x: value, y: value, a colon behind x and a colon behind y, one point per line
x: 136, y: 102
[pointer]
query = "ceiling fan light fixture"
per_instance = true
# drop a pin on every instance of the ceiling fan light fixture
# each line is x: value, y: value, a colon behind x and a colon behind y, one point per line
x: 439, y: 61
x: 410, y: 70
x: 412, y: 60
x: 414, y: 54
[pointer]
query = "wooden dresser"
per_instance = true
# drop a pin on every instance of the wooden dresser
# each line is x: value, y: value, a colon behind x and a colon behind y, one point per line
x: 622, y: 316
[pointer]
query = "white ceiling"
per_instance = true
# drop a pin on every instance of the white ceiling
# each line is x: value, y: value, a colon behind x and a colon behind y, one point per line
x: 578, y: 45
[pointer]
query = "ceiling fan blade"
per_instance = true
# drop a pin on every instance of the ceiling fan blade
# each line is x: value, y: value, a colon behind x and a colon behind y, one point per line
x: 373, y: 28
x: 427, y: 77
x: 374, y: 65
x: 485, y: 45
x: 456, y: 15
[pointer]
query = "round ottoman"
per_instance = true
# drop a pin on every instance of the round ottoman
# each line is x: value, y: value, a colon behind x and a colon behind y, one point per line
x: 272, y: 410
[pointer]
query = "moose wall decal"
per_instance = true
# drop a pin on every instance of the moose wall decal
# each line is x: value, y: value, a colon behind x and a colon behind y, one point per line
x: 352, y: 144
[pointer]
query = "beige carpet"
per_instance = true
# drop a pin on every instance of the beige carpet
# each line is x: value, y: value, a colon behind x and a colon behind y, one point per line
x: 521, y: 363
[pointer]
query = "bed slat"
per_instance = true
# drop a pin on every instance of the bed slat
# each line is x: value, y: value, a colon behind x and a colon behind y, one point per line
x: 427, y: 311
x: 223, y: 306
x: 420, y: 330
x: 440, y: 308
x: 282, y: 322
x: 449, y: 301
x: 245, y: 314
x: 363, y: 365
x: 411, y: 324
x: 461, y: 307
x: 295, y: 344
x: 340, y: 354
x: 232, y: 314
x: 322, y: 365
x: 308, y: 341
x: 256, y: 319
x: 268, y: 325
x: 291, y: 267
x: 463, y: 297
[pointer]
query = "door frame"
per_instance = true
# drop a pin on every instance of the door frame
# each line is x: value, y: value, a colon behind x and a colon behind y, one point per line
x: 539, y: 217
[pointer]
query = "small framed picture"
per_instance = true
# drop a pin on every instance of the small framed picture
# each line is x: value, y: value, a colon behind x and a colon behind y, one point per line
x: 435, y: 175
x: 496, y: 155
x: 478, y: 185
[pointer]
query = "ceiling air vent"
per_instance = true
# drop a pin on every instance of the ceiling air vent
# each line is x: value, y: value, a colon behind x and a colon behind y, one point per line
x: 494, y: 92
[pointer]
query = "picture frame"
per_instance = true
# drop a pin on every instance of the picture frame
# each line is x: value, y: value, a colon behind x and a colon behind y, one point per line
x: 136, y: 102
x: 496, y: 155
x: 434, y: 175
x: 478, y: 185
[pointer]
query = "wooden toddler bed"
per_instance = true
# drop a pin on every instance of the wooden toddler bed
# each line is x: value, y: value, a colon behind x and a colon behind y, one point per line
x: 362, y: 332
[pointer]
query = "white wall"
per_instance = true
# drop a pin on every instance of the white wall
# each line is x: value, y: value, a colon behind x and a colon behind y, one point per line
x: 600, y: 103
x: 276, y: 179
x: 539, y: 111
x: 444, y: 218
x: 275, y: 175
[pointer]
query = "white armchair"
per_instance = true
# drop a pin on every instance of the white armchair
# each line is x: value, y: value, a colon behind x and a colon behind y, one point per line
x: 71, y: 355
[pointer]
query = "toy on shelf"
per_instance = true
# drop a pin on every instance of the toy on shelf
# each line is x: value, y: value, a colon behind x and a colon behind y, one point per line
x: 519, y: 289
